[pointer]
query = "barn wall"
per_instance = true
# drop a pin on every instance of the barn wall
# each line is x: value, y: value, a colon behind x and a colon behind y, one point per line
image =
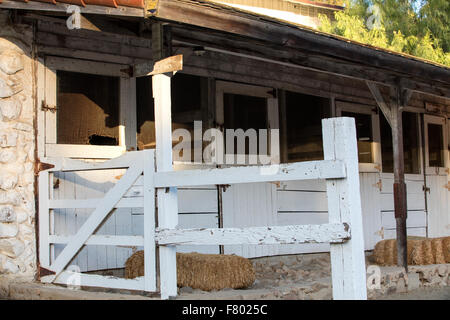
x: 17, y: 236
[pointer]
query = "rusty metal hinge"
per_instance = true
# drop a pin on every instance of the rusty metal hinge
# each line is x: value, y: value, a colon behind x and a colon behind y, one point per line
x: 46, y: 107
x: 277, y: 183
x: 42, y: 166
x: 377, y: 167
x: 224, y: 187
x: 45, y: 272
x: 447, y: 186
x: 425, y: 189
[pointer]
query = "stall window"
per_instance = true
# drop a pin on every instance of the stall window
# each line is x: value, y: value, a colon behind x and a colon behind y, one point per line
x: 186, y: 107
x: 367, y: 132
x: 304, y: 114
x: 410, y: 144
x: 244, y: 112
x: 88, y: 109
x: 435, y: 145
x: 364, y: 135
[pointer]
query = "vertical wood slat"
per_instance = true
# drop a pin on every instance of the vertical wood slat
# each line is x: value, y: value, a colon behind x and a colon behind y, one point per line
x: 51, y: 102
x: 167, y: 200
x: 40, y: 92
x: 149, y: 222
x: 44, y: 220
x: 344, y: 206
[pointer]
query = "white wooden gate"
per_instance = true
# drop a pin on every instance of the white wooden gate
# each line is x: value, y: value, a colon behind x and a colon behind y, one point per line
x: 344, y: 231
x: 121, y: 195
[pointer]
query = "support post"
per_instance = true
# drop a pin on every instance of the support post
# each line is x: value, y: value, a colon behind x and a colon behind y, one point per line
x: 399, y: 178
x: 344, y: 206
x: 399, y: 98
x: 167, y: 199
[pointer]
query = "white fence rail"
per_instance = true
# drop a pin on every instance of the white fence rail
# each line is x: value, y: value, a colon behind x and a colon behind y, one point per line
x: 344, y: 231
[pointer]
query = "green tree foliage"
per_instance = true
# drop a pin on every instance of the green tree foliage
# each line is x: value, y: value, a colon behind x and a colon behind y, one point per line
x: 417, y: 27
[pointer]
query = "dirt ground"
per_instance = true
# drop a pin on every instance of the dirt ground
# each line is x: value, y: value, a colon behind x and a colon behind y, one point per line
x: 420, y: 294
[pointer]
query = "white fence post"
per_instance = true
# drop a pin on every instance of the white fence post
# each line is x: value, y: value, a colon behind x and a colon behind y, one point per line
x: 167, y: 201
x: 344, y: 206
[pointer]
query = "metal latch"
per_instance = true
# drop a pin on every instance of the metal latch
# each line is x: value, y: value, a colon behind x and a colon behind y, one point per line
x: 46, y: 107
x: 379, y: 185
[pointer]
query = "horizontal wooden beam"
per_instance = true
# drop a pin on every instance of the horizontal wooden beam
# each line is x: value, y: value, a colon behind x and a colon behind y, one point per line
x: 136, y: 202
x: 103, y: 240
x: 94, y: 280
x: 70, y: 165
x: 62, y: 7
x: 322, y: 233
x: 252, y: 174
x: 112, y: 34
x: 55, y: 39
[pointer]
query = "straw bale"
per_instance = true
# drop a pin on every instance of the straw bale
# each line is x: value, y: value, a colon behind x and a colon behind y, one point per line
x: 420, y: 252
x: 202, y: 271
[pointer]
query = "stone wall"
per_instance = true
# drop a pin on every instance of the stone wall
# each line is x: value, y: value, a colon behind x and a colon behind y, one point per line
x: 17, y: 145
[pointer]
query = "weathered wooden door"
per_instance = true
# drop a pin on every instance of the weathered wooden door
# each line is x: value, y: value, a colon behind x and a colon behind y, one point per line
x: 246, y: 107
x: 88, y: 113
x: 436, y: 165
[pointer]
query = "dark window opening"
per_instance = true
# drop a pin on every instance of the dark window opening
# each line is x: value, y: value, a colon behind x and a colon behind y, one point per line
x: 88, y: 109
x: 186, y: 107
x: 304, y: 114
x: 435, y: 145
x: 244, y: 112
x: 364, y: 135
x: 410, y: 144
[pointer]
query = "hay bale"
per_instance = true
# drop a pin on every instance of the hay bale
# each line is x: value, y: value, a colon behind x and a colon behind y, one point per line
x: 134, y: 266
x: 446, y: 249
x: 420, y: 251
x: 438, y: 250
x: 378, y: 252
x: 202, y: 271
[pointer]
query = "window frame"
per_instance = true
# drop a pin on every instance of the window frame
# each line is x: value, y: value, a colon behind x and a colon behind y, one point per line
x: 272, y: 107
x: 127, y: 109
x: 427, y: 119
x: 343, y: 106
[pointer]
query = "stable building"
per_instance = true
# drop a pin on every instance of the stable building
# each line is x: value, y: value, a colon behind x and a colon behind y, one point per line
x: 80, y: 94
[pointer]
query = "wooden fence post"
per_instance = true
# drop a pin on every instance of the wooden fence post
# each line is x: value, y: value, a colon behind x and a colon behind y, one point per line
x: 344, y: 206
x: 167, y: 199
x: 149, y: 221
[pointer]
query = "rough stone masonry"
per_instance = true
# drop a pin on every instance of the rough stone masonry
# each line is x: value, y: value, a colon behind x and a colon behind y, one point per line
x: 17, y: 145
